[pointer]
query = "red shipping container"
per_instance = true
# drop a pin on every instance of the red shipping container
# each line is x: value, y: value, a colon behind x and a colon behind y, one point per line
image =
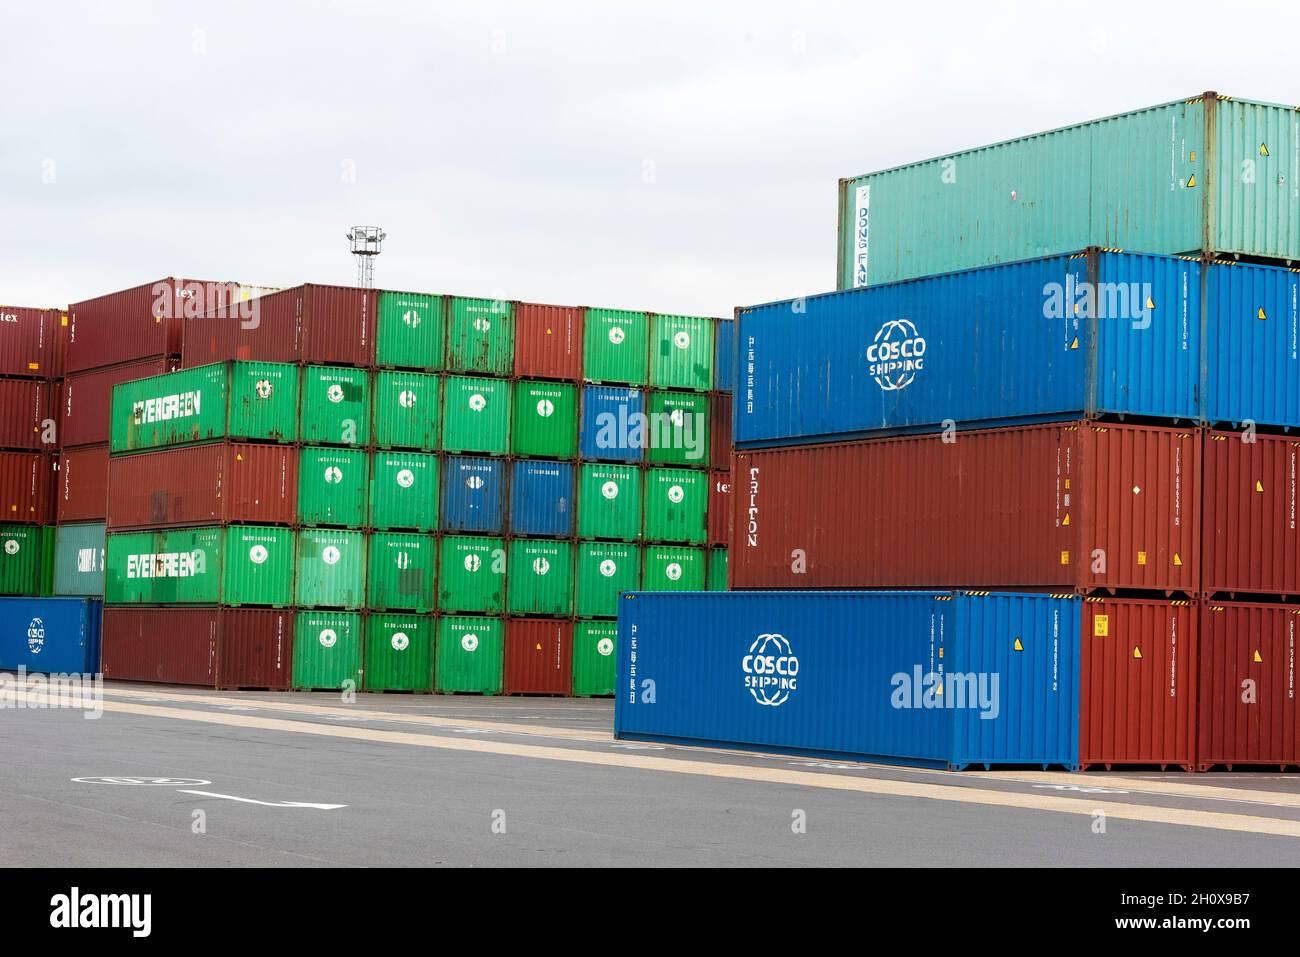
x: 1247, y: 710
x: 326, y: 325
x: 26, y: 342
x: 720, y: 511
x: 720, y: 430
x: 224, y: 648
x: 60, y: 330
x: 1249, y: 525
x: 1137, y: 684
x: 81, y: 486
x: 27, y: 488
x: 1063, y: 507
x: 538, y: 656
x: 204, y: 485
x: 28, y: 408
x: 135, y: 323
x: 87, y: 398
x: 548, y: 341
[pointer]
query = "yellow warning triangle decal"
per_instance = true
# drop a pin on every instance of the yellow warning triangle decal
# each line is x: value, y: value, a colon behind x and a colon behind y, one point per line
x: 1262, y: 313
x: 1191, y: 181
x: 1019, y: 646
x: 1066, y: 520
x: 539, y: 647
x: 938, y: 691
x: 1258, y: 659
x: 1178, y: 559
x: 1259, y: 486
x: 1263, y: 149
x: 1137, y: 652
x: 1074, y: 344
x: 239, y: 457
x: 1151, y: 303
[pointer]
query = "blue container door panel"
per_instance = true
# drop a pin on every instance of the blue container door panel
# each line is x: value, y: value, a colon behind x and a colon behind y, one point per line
x: 472, y: 495
x: 52, y: 635
x: 610, y: 417
x: 541, y: 498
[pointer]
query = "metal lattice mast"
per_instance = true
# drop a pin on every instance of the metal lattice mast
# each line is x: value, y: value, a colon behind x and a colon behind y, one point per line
x: 367, y: 243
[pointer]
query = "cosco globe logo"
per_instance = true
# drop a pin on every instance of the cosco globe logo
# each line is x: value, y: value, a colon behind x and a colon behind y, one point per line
x: 896, y: 355
x: 771, y: 670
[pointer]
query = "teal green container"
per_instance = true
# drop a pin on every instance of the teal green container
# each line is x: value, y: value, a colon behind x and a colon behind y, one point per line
x: 469, y: 655
x: 399, y: 652
x: 407, y: 408
x: 679, y: 426
x: 605, y: 569
x: 481, y: 336
x: 673, y: 568
x: 401, y: 571
x: 545, y: 420
x: 332, y: 486
x: 79, y: 560
x: 209, y: 565
x: 476, y: 415
x: 335, y: 407
x: 615, y: 346
x: 717, y: 572
x: 331, y: 569
x: 676, y: 504
x: 609, y: 501
x: 594, y: 644
x: 411, y: 331
x: 471, y: 574
x: 327, y: 650
x: 404, y: 491
x: 681, y: 352
x: 540, y: 577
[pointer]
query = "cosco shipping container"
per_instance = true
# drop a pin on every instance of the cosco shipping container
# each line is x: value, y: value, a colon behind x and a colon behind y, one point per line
x: 944, y: 680
x: 51, y: 635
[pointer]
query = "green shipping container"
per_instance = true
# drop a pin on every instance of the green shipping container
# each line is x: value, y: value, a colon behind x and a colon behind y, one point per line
x: 672, y: 568
x: 411, y: 331
x: 609, y: 502
x: 335, y: 406
x: 604, y: 570
x: 469, y: 655
x: 209, y: 565
x: 594, y: 643
x: 676, y: 502
x: 407, y: 410
x: 481, y: 336
x: 540, y: 576
x: 399, y: 652
x: 615, y: 346
x: 679, y: 428
x: 327, y: 650
x: 545, y: 420
x: 401, y: 571
x: 332, y: 485
x: 331, y: 568
x: 241, y: 400
x: 79, y: 560
x: 717, y: 580
x: 22, y: 559
x: 476, y: 415
x: 681, y: 352
x: 471, y: 570
x: 404, y: 490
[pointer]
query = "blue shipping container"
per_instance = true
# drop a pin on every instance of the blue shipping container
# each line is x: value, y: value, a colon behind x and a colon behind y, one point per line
x: 541, y: 498
x: 52, y: 635
x: 1038, y: 341
x: 610, y: 415
x: 724, y: 356
x: 472, y: 495
x: 947, y: 680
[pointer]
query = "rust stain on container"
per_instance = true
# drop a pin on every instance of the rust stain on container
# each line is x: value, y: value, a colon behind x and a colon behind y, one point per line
x: 548, y: 341
x: 86, y: 399
x: 81, y: 485
x: 538, y: 656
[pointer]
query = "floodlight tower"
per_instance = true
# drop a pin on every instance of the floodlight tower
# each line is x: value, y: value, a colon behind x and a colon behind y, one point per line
x: 367, y: 243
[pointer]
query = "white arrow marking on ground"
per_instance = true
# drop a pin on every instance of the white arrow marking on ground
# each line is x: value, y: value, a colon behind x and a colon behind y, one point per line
x: 231, y: 797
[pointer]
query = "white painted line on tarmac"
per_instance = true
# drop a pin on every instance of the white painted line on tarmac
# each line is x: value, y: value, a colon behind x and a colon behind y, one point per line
x: 298, y: 804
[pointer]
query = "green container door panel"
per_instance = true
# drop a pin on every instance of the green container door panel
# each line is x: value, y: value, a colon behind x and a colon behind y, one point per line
x: 332, y: 486
x: 476, y: 415
x: 717, y: 572
x: 481, y: 336
x: 407, y: 410
x: 679, y: 428
x: 335, y: 406
x: 673, y: 569
x: 401, y: 571
x: 540, y: 577
x: 411, y: 331
x: 471, y: 573
x: 676, y: 503
x: 331, y: 568
x: 326, y: 650
x: 399, y: 653
x: 469, y: 655
x: 264, y: 401
x: 22, y: 555
x: 404, y: 491
x: 258, y: 568
x: 609, y: 502
x: 605, y: 569
x: 681, y: 352
x: 1257, y: 180
x: 545, y: 420
x: 594, y: 644
x: 616, y: 346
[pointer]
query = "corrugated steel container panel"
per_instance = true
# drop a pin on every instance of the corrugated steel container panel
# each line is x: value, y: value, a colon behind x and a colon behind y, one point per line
x: 408, y: 411
x: 87, y: 399
x: 473, y: 495
x: 720, y: 514
x: 51, y: 635
x: 1089, y: 507
x: 681, y: 352
x: 724, y: 355
x: 604, y: 571
x: 327, y: 650
x: 404, y: 490
x: 28, y: 413
x: 476, y: 415
x: 218, y: 483
x: 1247, y: 711
x: 548, y: 341
x: 22, y: 559
x: 480, y: 336
x: 411, y: 332
x: 720, y: 417
x: 545, y: 420
x: 540, y: 579
x: 332, y: 486
x: 538, y: 657
x: 609, y: 501
x: 1137, y: 684
x: 1249, y: 515
x: 716, y: 579
x: 232, y: 565
x: 401, y: 571
x: 1047, y: 340
x: 399, y: 653
x: 673, y: 568
x: 27, y: 485
x: 679, y: 429
x: 541, y: 498
x: 469, y: 653
x: 225, y: 648
x: 81, y: 486
x: 135, y: 323
x: 594, y: 643
x: 27, y: 342
x: 943, y: 680
x: 331, y: 569
x: 79, y: 559
x: 616, y: 346
x: 676, y: 501
x: 612, y: 424
x: 471, y: 573
x: 1256, y: 201
x: 335, y: 406
x: 305, y: 324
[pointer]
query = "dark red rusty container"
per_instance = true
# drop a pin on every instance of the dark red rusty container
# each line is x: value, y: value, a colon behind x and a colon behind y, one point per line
x: 548, y: 341
x: 226, y: 648
x: 81, y: 485
x: 84, y: 409
x: 720, y: 430
x: 1250, y: 540
x: 27, y: 342
x: 720, y: 510
x: 136, y: 323
x: 1247, y: 713
x: 538, y: 656
x: 1063, y: 507
x: 204, y: 485
x: 324, y: 325
x: 1137, y: 686
x: 27, y: 488
x: 28, y: 410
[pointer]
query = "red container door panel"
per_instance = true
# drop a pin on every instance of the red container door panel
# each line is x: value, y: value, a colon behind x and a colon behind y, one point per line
x: 27, y: 342
x: 720, y: 430
x: 27, y: 408
x: 254, y: 648
x: 720, y: 510
x: 164, y: 645
x: 82, y: 484
x: 538, y: 657
x: 27, y: 487
x: 548, y: 341
x: 84, y: 408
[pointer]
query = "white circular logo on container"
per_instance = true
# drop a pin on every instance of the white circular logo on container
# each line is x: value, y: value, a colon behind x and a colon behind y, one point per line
x: 335, y: 393
x: 540, y: 565
x: 406, y: 399
x: 257, y: 554
x: 477, y: 402
x: 673, y: 571
x: 676, y: 493
x: 400, y: 641
x: 608, y: 567
x: 617, y: 335
x: 333, y: 474
x: 482, y: 325
x: 403, y: 560
x: 411, y: 317
x: 11, y: 546
x: 474, y: 481
x: 545, y: 407
x: 405, y: 478
x: 35, y: 636
x: 770, y: 669
x: 328, y: 637
x: 682, y: 340
x: 473, y: 563
x: 331, y: 555
x: 264, y: 388
x: 469, y: 642
x: 896, y: 355
x: 605, y: 647
x: 609, y: 490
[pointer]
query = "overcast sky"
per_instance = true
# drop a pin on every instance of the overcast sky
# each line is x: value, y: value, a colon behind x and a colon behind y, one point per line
x: 672, y: 156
